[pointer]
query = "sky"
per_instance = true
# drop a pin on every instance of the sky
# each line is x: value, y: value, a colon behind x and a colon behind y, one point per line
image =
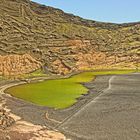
x: 114, y: 11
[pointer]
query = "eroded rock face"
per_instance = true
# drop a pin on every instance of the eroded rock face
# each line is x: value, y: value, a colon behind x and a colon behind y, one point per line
x: 77, y: 55
x: 14, y: 65
x: 5, y: 120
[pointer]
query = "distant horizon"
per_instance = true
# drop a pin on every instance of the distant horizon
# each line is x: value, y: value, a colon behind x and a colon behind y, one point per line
x: 120, y: 12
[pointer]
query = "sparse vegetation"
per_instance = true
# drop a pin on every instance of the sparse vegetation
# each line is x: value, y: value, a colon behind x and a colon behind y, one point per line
x: 37, y: 73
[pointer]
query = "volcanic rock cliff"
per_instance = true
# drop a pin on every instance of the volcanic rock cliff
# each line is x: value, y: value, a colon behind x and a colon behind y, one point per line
x: 64, y: 43
x: 13, y: 65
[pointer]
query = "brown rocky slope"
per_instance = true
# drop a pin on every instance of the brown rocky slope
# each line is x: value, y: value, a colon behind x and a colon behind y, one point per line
x: 64, y: 43
x: 13, y: 65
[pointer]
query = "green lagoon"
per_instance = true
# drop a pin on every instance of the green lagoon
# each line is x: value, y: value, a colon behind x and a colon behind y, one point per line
x: 59, y: 93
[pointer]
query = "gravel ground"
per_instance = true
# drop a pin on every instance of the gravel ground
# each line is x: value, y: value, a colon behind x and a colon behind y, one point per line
x: 113, y: 115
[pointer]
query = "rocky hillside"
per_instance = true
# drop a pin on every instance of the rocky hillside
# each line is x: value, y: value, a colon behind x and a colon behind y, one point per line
x: 64, y: 43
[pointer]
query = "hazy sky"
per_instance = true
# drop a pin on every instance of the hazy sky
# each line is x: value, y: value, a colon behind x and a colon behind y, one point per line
x: 117, y: 11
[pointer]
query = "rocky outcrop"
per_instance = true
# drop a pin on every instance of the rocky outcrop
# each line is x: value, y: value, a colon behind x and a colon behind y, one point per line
x: 13, y: 129
x: 15, y: 65
x: 5, y: 120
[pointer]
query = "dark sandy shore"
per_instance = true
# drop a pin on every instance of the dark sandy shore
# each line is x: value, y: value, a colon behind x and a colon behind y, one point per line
x: 37, y: 114
x: 111, y: 111
x: 114, y: 115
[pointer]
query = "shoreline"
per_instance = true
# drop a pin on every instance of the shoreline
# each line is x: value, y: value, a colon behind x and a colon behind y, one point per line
x: 48, y: 120
x: 10, y: 84
x: 26, y: 109
x: 48, y: 117
x: 21, y: 128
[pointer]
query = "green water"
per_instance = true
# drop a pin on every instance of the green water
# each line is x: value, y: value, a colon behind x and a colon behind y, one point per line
x: 60, y: 93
